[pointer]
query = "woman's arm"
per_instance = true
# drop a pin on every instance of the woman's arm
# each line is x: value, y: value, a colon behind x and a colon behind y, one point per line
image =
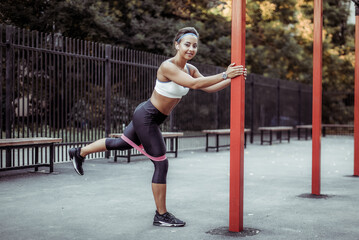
x: 218, y: 86
x: 169, y: 71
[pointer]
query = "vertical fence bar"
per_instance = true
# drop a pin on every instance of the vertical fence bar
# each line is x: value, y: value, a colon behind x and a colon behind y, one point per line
x: 252, y: 109
x: 299, y: 105
x: 356, y: 93
x: 41, y: 70
x: 107, y: 93
x: 317, y: 95
x: 278, y: 103
x: 237, y: 118
x: 9, y: 88
x: 33, y: 81
x: 1, y: 86
x: 77, y: 82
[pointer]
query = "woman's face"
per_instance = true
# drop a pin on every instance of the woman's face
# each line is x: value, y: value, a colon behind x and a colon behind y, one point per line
x: 187, y: 47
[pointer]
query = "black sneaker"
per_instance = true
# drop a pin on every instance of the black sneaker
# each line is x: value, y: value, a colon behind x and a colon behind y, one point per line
x: 77, y: 160
x: 167, y: 220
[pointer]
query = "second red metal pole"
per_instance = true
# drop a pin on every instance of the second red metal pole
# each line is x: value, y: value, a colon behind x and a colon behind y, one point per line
x: 356, y: 95
x: 237, y: 118
x: 317, y: 95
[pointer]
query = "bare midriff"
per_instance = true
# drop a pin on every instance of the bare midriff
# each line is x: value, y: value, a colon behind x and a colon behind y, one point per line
x: 164, y: 104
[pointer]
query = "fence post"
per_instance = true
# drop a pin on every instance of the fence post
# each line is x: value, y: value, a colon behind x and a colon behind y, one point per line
x: 278, y: 103
x: 252, y: 108
x: 299, y: 104
x: 107, y: 93
x: 217, y: 110
x: 9, y: 86
x: 356, y: 92
x: 171, y: 122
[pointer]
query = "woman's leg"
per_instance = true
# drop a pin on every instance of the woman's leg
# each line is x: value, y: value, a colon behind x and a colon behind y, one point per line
x: 147, y: 128
x: 159, y: 194
x: 105, y: 144
x: 159, y: 185
x: 78, y: 154
x: 97, y: 146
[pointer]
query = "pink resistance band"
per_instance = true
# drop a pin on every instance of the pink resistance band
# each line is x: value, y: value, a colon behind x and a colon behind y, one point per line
x: 142, y: 150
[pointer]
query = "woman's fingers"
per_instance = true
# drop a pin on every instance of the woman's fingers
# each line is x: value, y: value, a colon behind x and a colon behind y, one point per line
x: 237, y: 70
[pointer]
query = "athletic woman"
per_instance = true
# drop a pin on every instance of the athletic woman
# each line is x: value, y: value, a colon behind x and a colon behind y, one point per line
x: 174, y: 79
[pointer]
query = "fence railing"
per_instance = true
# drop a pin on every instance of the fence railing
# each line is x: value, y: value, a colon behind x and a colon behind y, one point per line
x: 54, y: 86
x: 81, y: 91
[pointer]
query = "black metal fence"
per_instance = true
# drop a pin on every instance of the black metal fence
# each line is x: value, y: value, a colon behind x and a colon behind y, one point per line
x: 81, y: 91
x: 54, y: 86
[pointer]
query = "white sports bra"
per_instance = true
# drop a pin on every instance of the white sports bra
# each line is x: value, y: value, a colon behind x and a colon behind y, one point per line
x: 171, y: 89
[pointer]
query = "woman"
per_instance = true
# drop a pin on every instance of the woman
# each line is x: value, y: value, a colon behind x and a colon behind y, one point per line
x: 174, y: 79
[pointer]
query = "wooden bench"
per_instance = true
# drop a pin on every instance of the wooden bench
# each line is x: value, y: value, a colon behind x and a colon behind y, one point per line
x: 218, y: 132
x: 171, y: 136
x: 306, y: 128
x: 12, y: 143
x: 325, y: 126
x: 278, y: 129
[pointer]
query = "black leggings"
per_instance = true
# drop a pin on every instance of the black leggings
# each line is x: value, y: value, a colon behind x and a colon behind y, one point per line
x: 144, y: 129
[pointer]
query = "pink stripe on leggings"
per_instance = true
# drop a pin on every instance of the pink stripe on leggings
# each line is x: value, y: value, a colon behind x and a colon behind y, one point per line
x: 138, y: 148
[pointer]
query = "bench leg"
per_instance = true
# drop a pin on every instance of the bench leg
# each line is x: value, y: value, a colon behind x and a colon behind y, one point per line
x: 306, y: 134
x: 206, y: 142
x: 280, y: 136
x: 8, y: 157
x: 245, y: 140
x: 217, y: 142
x: 37, y: 157
x: 288, y: 135
x: 176, y: 146
x: 270, y: 137
x: 115, y: 156
x: 171, y: 144
x: 52, y: 156
x: 128, y: 155
x: 261, y: 137
x: 298, y: 133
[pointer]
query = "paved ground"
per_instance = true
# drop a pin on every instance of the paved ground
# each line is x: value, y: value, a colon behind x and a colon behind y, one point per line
x: 114, y: 200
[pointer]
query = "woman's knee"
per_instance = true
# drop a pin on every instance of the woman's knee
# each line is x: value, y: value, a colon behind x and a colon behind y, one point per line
x: 116, y: 144
x: 160, y: 173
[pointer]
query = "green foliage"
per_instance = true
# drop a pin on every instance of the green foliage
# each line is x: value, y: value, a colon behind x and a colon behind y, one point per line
x: 147, y: 25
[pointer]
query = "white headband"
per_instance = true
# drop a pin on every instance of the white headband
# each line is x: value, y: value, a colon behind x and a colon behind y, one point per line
x: 186, y: 34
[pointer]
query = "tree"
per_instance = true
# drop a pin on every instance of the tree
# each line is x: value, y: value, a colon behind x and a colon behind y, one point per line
x: 147, y: 25
x: 272, y: 48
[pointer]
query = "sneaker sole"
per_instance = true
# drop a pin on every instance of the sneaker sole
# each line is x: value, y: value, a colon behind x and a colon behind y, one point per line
x: 164, y: 224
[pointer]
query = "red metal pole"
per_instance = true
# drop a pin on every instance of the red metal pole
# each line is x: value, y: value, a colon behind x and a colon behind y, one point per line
x: 237, y: 118
x: 317, y: 95
x: 356, y: 94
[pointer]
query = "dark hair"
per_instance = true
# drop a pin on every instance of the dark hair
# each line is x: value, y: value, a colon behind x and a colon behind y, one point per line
x: 185, y: 30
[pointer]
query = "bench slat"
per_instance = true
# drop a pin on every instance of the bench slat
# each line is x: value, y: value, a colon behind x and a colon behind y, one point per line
x: 164, y: 134
x: 328, y: 125
x: 304, y: 126
x: 279, y: 128
x: 5, y: 142
x: 222, y: 131
x: 338, y: 125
